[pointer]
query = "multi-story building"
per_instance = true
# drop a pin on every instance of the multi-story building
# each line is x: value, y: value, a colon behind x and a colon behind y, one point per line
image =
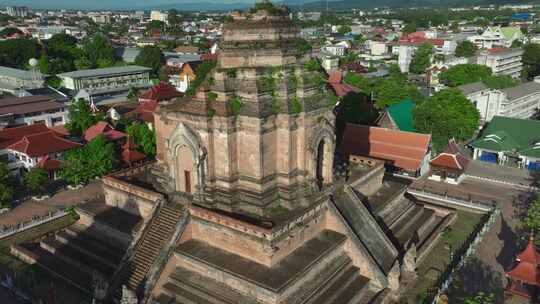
x: 108, y: 79
x: 25, y: 147
x: 17, y: 11
x: 159, y: 16
x: 510, y: 142
x: 12, y: 80
x: 521, y: 101
x: 502, y: 61
x: 496, y: 37
x: 31, y: 110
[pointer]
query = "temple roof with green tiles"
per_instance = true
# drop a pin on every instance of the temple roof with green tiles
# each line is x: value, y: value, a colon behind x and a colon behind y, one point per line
x: 401, y: 114
x: 504, y: 134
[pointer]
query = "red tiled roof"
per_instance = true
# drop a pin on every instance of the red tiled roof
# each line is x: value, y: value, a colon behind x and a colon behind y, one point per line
x: 28, y: 104
x: 145, y: 111
x: 103, y: 128
x: 342, y: 89
x: 404, y: 150
x: 209, y: 57
x: 159, y: 92
x: 527, y: 269
x: 448, y: 160
x: 335, y: 77
x: 498, y: 50
x: 9, y: 136
x: 130, y: 154
x: 49, y: 164
x: 43, y: 144
x: 60, y: 130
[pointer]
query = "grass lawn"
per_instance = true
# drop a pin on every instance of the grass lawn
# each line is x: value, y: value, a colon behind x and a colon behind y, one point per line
x: 439, y: 257
x: 31, y: 278
x: 10, y: 262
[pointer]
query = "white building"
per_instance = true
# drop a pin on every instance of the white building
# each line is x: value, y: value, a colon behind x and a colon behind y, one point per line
x: 17, y: 11
x: 101, y: 18
x: 159, y: 16
x: 502, y: 61
x: 336, y: 49
x: 30, y: 110
x: 105, y: 86
x: 108, y: 78
x: 521, y: 101
x: 406, y: 53
x: 12, y: 80
x: 496, y: 37
x: 378, y: 48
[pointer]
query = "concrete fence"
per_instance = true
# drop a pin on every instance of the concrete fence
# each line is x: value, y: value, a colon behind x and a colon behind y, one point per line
x: 7, y: 231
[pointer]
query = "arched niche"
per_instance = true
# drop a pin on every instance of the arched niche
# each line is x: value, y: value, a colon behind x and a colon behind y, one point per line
x: 187, y: 158
x: 322, y: 157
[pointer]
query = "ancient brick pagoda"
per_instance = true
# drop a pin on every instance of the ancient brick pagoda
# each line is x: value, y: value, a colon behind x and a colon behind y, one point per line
x: 241, y: 205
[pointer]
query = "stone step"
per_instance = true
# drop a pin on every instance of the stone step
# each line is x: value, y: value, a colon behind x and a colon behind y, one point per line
x: 58, y: 267
x: 75, y: 257
x: 183, y: 296
x: 166, y: 299
x: 414, y: 225
x: 428, y: 226
x: 207, y: 287
x: 89, y: 233
x: 393, y: 214
x: 108, y: 255
x: 155, y: 237
x: 332, y: 290
x: 358, y: 288
x: 407, y: 218
x: 388, y: 205
x: 323, y: 248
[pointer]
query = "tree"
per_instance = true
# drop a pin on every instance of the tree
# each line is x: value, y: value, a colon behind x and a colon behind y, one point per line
x: 481, y: 298
x: 143, y: 137
x: 516, y: 44
x: 465, y: 49
x: 359, y: 81
x: 8, y: 31
x: 532, y: 218
x: 81, y: 117
x: 500, y: 81
x: 447, y: 114
x: 155, y: 25
x: 409, y: 28
x: 15, y: 53
x: 95, y: 159
x: 531, y: 60
x: 354, y: 108
x: 133, y: 94
x: 465, y: 73
x: 98, y: 49
x: 421, y: 59
x: 6, y: 185
x: 36, y: 180
x: 344, y: 29
x: 173, y: 18
x: 151, y: 57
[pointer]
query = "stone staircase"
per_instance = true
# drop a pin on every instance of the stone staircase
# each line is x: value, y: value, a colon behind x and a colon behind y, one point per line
x: 77, y: 255
x: 327, y: 272
x: 155, y: 237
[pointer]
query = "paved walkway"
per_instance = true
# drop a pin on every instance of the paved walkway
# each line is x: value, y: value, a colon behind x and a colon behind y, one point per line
x: 27, y: 209
x: 485, y: 272
x: 500, y: 173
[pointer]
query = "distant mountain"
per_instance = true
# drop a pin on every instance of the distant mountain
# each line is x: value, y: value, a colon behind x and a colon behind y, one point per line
x: 348, y: 4
x: 223, y: 5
